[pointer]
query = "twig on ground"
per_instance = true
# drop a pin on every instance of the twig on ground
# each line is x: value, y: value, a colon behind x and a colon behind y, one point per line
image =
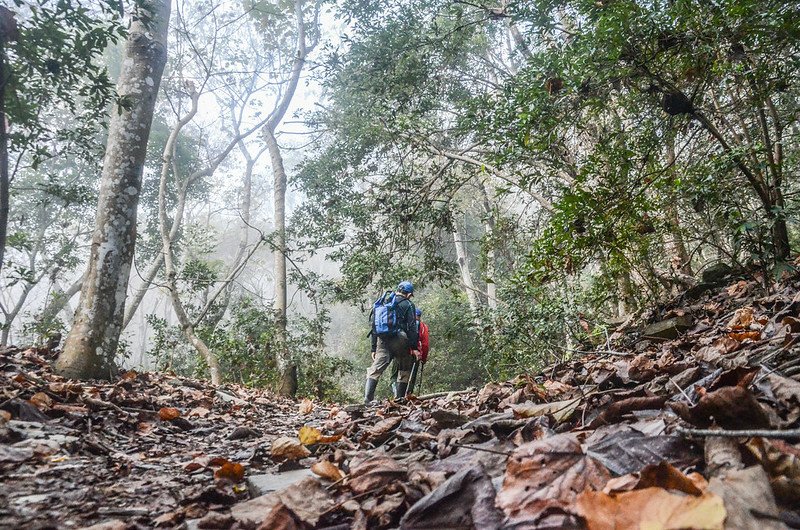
x: 744, y: 433
x: 504, y: 453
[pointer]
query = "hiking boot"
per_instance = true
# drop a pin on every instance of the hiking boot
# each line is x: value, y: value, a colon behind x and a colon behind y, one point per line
x: 369, y: 390
x: 400, y: 390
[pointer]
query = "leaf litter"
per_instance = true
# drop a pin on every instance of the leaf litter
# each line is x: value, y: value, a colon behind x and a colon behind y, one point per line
x: 606, y: 440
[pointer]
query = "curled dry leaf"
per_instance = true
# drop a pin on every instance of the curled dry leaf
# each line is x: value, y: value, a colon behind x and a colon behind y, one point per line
x: 41, y: 401
x: 168, y: 413
x: 232, y: 471
x: 744, y: 335
x: 742, y: 318
x: 288, y: 448
x: 306, y: 406
x: 327, y: 470
x: 650, y: 508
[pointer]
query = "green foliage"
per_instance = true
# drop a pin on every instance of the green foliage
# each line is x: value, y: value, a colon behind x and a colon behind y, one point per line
x: 58, y: 89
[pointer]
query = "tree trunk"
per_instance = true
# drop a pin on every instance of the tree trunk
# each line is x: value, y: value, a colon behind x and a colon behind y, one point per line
x: 286, y: 366
x: 678, y: 249
x: 59, y: 301
x: 491, y: 268
x: 5, y: 182
x: 92, y: 343
x: 463, y: 266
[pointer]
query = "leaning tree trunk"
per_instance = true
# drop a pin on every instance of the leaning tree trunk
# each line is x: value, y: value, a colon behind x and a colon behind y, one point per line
x: 92, y: 342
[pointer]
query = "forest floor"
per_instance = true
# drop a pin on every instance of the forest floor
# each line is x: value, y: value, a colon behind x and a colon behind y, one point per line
x: 642, y: 433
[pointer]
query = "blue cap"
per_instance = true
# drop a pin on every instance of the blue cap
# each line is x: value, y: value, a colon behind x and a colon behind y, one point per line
x: 419, y: 312
x: 406, y: 287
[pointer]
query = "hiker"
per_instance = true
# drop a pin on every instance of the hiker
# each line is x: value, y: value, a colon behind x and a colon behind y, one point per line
x: 394, y: 337
x: 423, y: 347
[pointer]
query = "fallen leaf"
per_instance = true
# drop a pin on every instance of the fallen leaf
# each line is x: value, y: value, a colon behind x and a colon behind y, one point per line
x: 744, y: 335
x: 662, y: 475
x: 306, y: 406
x: 629, y: 451
x: 782, y: 462
x: 731, y: 407
x: 545, y: 474
x: 199, y: 412
x: 310, y: 435
x: 651, y: 509
x: 168, y: 413
x: 288, y: 448
x: 742, y: 318
x: 465, y: 500
x: 560, y: 410
x: 327, y: 470
x: 231, y: 471
x: 745, y: 491
x: 41, y: 401
x: 308, y: 500
x: 617, y: 409
x: 374, y: 472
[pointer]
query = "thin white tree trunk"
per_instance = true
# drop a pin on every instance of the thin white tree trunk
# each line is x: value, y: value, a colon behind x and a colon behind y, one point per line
x: 462, y: 259
x: 488, y: 226
x: 92, y: 343
x: 286, y: 364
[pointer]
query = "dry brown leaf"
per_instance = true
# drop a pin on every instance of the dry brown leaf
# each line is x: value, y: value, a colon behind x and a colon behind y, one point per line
x: 41, y: 401
x: 199, y: 412
x: 663, y: 476
x: 374, y: 472
x: 130, y: 375
x: 744, y: 335
x: 5, y: 415
x: 560, y: 410
x: 288, y: 448
x: 742, y: 318
x: 547, y: 473
x: 306, y: 406
x: 730, y: 407
x: 652, y: 509
x: 232, y: 471
x: 782, y: 462
x: 168, y: 413
x: 745, y: 493
x: 327, y: 470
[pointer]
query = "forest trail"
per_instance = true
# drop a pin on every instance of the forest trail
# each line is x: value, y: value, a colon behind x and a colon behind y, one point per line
x: 565, y: 447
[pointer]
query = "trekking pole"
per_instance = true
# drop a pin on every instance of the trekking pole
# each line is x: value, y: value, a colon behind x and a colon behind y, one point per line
x: 421, y: 369
x: 411, y: 377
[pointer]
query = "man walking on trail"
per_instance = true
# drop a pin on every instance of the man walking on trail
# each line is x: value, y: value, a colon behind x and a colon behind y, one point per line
x: 394, y: 337
x: 423, y: 347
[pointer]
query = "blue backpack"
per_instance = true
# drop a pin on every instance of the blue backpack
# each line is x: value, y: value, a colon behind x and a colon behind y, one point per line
x: 384, y: 315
